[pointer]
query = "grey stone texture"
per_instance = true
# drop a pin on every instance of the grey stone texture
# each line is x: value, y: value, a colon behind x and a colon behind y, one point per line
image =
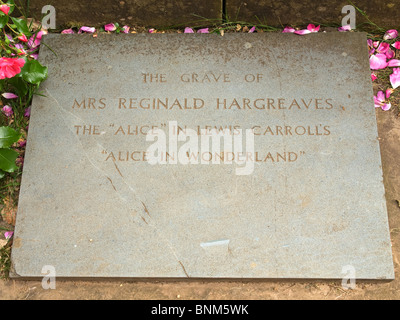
x: 314, y: 205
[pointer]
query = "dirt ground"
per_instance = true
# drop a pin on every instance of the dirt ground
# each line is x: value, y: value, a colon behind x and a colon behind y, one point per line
x: 389, y: 133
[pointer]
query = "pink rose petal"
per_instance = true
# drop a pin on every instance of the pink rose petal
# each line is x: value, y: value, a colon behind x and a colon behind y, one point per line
x: 9, y: 95
x: 87, y: 29
x: 110, y: 27
x: 313, y: 28
x: 288, y: 30
x: 395, y: 78
x: 394, y: 63
x: 388, y: 92
x: 386, y: 106
x: 188, y: 30
x: 373, y: 76
x: 383, y: 47
x: 390, y: 54
x: 8, y: 234
x: 378, y: 61
x: 396, y: 45
x: 204, y: 30
x: 302, y: 32
x: 390, y: 34
x: 7, y: 110
x: 344, y: 28
x: 67, y: 31
x: 125, y: 29
x: 252, y: 29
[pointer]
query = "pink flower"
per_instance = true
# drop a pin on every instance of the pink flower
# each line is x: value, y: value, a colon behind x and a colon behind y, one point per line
x: 396, y: 45
x: 390, y: 34
x: 110, y: 27
x: 34, y: 56
x: 373, y: 76
x: 394, y: 63
x: 8, y: 111
x: 344, y: 28
x: 288, y: 30
x: 188, y: 30
x: 87, y: 29
x: 125, y: 29
x: 9, y: 95
x: 395, y: 78
x: 5, y: 8
x: 378, y: 61
x: 379, y: 101
x: 204, y: 30
x: 23, y: 38
x: 8, y: 234
x: 27, y: 112
x: 67, y: 31
x: 9, y: 67
x: 252, y: 29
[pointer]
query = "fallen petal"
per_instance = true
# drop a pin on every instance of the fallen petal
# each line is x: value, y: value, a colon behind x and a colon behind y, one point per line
x: 386, y: 106
x: 302, y: 32
x: 344, y: 28
x: 394, y: 63
x: 396, y: 45
x: 373, y: 76
x: 188, y: 30
x: 204, y: 30
x: 87, y: 29
x: 390, y: 54
x: 9, y: 95
x: 7, y: 110
x: 8, y: 234
x: 378, y: 61
x: 67, y: 31
x: 252, y: 29
x: 383, y: 47
x: 110, y: 27
x: 388, y: 92
x: 390, y: 34
x: 313, y: 28
x: 288, y: 30
x: 395, y: 79
x: 27, y: 112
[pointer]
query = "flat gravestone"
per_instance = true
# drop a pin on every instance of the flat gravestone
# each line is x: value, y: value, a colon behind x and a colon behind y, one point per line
x: 204, y: 156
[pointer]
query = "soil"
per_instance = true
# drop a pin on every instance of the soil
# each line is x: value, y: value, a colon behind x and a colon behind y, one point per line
x: 389, y: 133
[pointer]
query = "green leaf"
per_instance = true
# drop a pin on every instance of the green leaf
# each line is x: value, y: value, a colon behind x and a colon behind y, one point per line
x: 33, y: 72
x: 21, y: 26
x: 8, y: 136
x: 2, y: 174
x: 20, y: 86
x: 7, y: 160
x: 3, y: 21
x: 11, y: 4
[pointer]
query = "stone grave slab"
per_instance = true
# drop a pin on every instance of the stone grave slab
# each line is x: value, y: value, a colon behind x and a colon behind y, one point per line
x: 203, y: 156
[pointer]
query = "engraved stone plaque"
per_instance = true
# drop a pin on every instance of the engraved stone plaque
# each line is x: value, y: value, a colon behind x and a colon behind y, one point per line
x: 204, y: 156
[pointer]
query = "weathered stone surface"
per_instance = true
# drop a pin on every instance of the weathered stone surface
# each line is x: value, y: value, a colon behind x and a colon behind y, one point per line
x: 313, y: 207
x: 132, y: 12
x: 292, y: 12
